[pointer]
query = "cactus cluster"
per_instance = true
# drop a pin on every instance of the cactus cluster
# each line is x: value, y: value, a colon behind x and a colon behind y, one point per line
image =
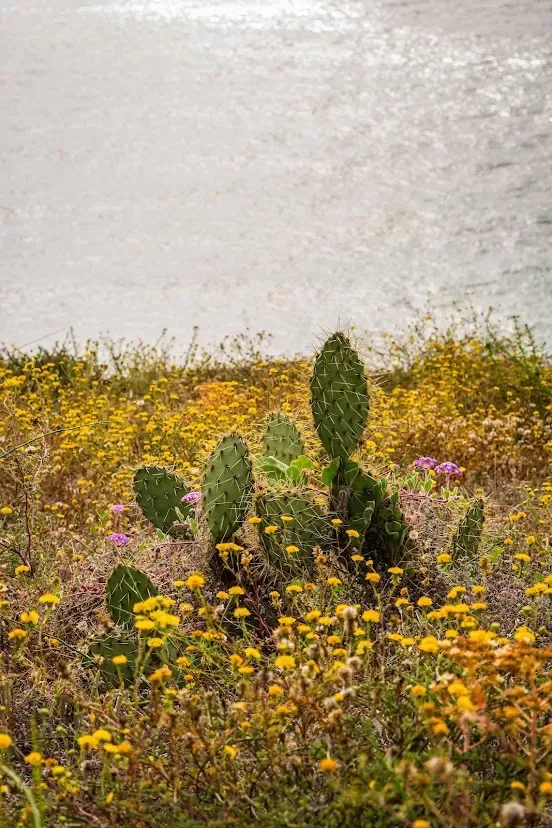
x: 467, y: 538
x: 340, y: 406
x: 159, y: 494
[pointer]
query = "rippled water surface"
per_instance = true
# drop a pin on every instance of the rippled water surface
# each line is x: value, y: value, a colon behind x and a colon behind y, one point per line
x: 279, y: 165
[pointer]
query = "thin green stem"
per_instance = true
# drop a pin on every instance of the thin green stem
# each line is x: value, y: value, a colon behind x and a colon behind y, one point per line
x: 27, y: 793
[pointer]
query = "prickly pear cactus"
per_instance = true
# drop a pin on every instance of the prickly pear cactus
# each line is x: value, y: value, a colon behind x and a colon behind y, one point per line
x: 339, y: 397
x: 364, y: 496
x: 127, y: 586
x: 227, y: 487
x: 103, y: 650
x: 374, y: 513
x: 390, y: 520
x: 159, y: 494
x: 282, y: 439
x: 467, y: 538
x: 307, y: 528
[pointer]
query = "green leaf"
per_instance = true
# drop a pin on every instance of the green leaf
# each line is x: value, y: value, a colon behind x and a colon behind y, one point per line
x: 302, y: 462
x: 330, y: 471
x: 295, y: 476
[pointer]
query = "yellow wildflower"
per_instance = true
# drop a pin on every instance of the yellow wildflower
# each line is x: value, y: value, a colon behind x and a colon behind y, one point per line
x: 524, y: 636
x: 163, y: 672
x: 285, y: 662
x: 87, y: 741
x: 196, y: 581
x: 49, y: 598
x: 144, y: 624
x: 156, y: 641
x: 327, y: 765
x: 31, y: 617
x: 418, y: 690
x: 118, y: 660
x: 102, y: 735
x: 34, y: 758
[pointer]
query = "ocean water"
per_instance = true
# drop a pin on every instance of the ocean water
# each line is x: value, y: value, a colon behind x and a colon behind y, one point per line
x: 282, y: 165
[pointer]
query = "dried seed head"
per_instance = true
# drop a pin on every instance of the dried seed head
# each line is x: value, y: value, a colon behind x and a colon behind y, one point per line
x: 512, y: 815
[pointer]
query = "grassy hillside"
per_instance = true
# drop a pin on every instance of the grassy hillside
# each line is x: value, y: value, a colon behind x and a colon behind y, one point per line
x: 284, y: 677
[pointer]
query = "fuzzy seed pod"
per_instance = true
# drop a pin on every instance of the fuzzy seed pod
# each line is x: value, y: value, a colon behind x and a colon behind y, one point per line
x: 512, y: 815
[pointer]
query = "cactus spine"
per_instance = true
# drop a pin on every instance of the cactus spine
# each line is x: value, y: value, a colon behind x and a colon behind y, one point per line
x: 339, y: 397
x: 467, y: 537
x: 159, y: 493
x: 282, y: 439
x: 227, y: 487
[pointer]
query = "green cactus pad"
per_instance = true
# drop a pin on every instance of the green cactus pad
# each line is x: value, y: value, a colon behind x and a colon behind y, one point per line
x: 282, y: 439
x: 227, y: 487
x: 373, y: 512
x: 339, y: 397
x: 307, y: 529
x: 108, y: 647
x: 159, y: 493
x: 125, y: 587
x: 467, y: 538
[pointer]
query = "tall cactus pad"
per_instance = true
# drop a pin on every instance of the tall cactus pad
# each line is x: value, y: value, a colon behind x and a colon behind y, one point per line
x: 227, y: 487
x: 339, y: 397
x: 282, y: 439
x: 127, y: 586
x: 159, y: 493
x: 307, y: 529
x: 467, y: 538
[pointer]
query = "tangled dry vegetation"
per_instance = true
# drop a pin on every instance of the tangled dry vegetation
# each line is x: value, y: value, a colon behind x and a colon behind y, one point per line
x: 410, y: 689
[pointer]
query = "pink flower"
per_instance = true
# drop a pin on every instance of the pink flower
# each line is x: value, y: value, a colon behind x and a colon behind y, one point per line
x: 119, y: 538
x: 449, y: 469
x: 425, y: 463
x: 191, y: 498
